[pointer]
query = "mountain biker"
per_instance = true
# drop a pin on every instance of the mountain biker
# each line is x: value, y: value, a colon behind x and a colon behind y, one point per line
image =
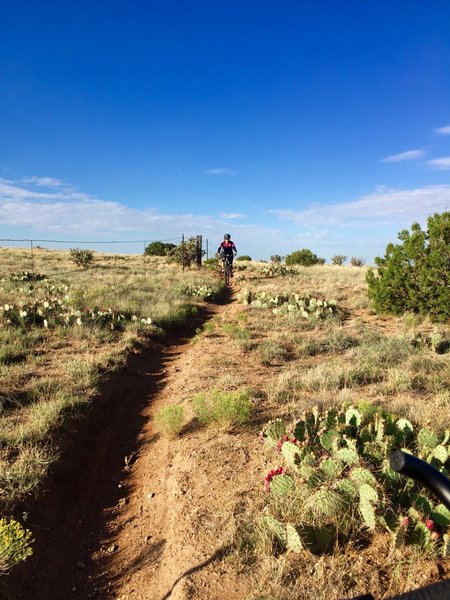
x: 227, y: 249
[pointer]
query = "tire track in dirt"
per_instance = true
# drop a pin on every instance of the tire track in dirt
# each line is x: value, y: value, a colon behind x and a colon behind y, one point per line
x: 173, y: 534
x: 115, y: 477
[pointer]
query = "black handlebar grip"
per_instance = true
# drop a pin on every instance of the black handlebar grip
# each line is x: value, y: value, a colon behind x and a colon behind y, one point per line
x: 424, y: 473
x: 437, y: 591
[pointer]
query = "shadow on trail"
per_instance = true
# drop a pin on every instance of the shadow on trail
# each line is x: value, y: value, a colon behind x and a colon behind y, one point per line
x: 69, y: 520
x: 218, y: 555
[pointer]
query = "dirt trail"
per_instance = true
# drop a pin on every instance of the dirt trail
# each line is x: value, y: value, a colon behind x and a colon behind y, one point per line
x: 132, y: 515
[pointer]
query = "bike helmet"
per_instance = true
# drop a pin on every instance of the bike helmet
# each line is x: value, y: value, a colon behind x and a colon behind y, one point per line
x: 227, y: 236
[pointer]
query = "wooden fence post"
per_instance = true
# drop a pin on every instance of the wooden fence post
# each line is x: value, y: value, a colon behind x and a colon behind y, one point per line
x: 198, y: 252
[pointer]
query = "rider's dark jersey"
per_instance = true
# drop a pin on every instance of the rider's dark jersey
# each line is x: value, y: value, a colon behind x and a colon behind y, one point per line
x: 227, y: 247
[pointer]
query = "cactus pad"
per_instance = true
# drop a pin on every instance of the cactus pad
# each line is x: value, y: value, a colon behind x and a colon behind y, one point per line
x: 360, y: 475
x: 291, y: 454
x: 293, y: 540
x: 282, y: 485
x: 275, y: 529
x: 427, y: 439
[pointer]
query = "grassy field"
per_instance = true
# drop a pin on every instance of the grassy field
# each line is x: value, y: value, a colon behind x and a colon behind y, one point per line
x: 291, y: 364
x: 331, y: 353
x: 61, y: 336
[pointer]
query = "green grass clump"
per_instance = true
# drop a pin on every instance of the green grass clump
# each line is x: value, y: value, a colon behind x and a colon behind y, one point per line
x: 223, y: 408
x: 273, y: 350
x: 236, y: 332
x: 169, y: 420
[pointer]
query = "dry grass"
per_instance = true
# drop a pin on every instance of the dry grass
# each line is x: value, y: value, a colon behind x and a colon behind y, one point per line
x: 288, y: 364
x: 48, y: 374
x: 357, y: 357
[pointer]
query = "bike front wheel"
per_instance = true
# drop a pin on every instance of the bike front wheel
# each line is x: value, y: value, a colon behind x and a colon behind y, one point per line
x: 226, y: 272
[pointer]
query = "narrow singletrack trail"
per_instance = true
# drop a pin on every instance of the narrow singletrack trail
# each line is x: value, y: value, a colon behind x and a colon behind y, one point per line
x: 130, y: 514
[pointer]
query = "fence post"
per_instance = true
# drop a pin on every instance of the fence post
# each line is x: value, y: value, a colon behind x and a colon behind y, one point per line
x: 32, y: 256
x: 183, y: 250
x: 198, y: 252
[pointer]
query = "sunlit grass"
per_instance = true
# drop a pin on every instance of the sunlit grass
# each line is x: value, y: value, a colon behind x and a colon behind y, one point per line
x: 48, y: 373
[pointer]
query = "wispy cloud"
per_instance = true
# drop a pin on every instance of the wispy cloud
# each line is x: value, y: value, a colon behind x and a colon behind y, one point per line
x: 443, y: 164
x: 443, y: 130
x: 49, y: 182
x: 383, y: 207
x: 232, y: 216
x: 67, y: 211
x: 409, y: 155
x: 219, y: 172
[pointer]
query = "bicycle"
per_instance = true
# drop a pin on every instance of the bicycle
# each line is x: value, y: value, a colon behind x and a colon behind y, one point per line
x: 439, y: 484
x: 227, y: 267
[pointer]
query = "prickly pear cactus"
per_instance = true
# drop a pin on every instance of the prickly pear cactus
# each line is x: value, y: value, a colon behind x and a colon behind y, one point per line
x: 273, y: 432
x: 340, y: 484
x: 293, y: 540
x: 292, y: 455
x: 282, y: 485
x: 289, y: 303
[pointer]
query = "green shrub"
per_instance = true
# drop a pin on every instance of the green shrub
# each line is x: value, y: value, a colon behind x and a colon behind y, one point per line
x: 236, y: 332
x: 414, y: 276
x: 82, y: 258
x: 169, y: 420
x: 186, y: 252
x: 305, y: 258
x: 276, y: 259
x: 338, y: 259
x: 223, y: 408
x: 244, y: 257
x: 211, y: 263
x: 159, y: 249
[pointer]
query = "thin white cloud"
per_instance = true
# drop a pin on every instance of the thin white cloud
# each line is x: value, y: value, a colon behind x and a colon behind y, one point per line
x: 409, y: 155
x: 219, y: 172
x: 443, y: 130
x: 443, y: 164
x: 232, y: 216
x: 43, y: 181
x: 67, y: 212
x: 383, y: 207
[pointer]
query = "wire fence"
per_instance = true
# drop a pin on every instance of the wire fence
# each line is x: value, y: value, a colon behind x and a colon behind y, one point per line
x: 33, y: 244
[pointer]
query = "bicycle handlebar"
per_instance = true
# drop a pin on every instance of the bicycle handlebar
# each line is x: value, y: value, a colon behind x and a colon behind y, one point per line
x: 436, y: 482
x: 436, y: 591
x: 424, y: 473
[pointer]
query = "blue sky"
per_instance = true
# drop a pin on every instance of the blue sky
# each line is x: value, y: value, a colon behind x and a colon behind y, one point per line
x: 297, y: 124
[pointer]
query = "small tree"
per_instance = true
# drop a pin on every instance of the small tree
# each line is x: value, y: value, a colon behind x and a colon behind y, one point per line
x: 357, y: 261
x: 159, y: 249
x: 305, y: 258
x: 338, y: 259
x: 82, y: 258
x: 276, y: 259
x: 185, y: 253
x: 415, y: 275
